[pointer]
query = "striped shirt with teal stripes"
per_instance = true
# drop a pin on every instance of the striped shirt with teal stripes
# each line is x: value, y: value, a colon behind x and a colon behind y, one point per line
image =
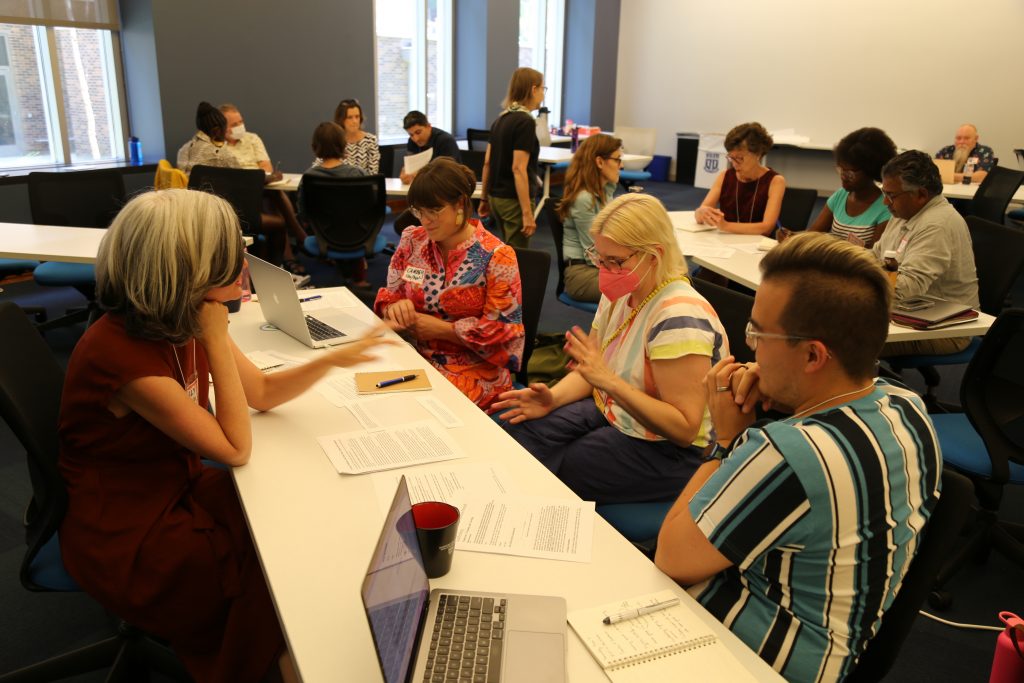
x: 820, y: 517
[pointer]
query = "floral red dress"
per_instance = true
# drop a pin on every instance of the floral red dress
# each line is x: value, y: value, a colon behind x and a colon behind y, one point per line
x: 478, y: 289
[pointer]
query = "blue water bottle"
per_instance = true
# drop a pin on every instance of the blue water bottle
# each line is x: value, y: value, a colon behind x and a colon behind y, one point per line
x: 134, y: 151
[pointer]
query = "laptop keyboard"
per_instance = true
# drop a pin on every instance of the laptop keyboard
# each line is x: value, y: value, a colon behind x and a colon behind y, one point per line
x: 320, y: 330
x: 466, y: 643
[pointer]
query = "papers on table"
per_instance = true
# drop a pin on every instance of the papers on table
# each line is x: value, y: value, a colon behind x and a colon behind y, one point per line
x: 495, y: 517
x: 339, y: 387
x: 362, y: 451
x: 550, y: 528
x: 450, y: 483
x: 414, y: 162
x: 440, y: 411
x: 272, y: 361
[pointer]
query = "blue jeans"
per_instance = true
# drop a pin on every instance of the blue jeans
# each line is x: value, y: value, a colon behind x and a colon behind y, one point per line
x: 600, y: 463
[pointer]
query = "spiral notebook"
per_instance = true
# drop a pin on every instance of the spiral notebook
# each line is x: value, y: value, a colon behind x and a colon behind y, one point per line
x: 672, y: 644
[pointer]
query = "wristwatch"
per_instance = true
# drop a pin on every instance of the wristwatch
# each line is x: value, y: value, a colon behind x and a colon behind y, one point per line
x: 719, y: 452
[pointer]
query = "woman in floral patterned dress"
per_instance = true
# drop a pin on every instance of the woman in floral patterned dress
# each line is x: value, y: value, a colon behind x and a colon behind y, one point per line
x: 454, y: 287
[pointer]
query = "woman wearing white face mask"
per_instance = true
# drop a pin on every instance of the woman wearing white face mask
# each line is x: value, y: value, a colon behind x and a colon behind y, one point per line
x: 629, y: 423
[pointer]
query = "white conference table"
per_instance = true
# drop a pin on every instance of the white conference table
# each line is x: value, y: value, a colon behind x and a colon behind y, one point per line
x: 961, y: 191
x: 315, y: 529
x: 50, y: 242
x: 54, y: 242
x: 741, y: 264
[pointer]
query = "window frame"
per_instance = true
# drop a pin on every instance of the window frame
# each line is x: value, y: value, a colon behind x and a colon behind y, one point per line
x: 53, y: 92
x: 419, y: 66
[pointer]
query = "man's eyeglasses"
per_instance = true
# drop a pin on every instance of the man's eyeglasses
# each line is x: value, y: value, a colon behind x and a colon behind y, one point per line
x: 753, y: 335
x: 613, y: 264
x: 614, y: 160
x: 891, y: 196
x: 426, y: 214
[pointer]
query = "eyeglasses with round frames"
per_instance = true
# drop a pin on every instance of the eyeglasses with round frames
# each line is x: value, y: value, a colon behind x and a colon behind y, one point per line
x: 613, y: 264
x: 426, y: 214
x: 753, y: 335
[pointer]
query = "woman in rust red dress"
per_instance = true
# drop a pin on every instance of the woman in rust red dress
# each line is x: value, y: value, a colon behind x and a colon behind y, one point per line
x: 153, y: 534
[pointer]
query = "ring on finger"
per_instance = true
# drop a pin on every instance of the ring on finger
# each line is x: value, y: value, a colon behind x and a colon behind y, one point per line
x: 721, y: 389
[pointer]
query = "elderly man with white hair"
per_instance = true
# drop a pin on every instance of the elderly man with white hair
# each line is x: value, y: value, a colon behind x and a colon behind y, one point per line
x: 965, y: 147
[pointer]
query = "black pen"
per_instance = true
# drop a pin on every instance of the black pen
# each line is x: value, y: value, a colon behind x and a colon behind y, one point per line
x: 310, y: 298
x: 397, y: 380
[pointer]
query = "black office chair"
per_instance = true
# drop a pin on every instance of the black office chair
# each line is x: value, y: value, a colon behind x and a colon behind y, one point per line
x: 557, y: 232
x: 81, y: 199
x: 31, y: 382
x: 986, y: 443
x: 241, y: 187
x: 346, y: 215
x: 797, y: 205
x: 392, y: 158
x: 474, y: 159
x: 999, y: 261
x: 733, y: 309
x: 994, y: 194
x: 534, y: 266
x: 478, y: 138
x: 940, y: 536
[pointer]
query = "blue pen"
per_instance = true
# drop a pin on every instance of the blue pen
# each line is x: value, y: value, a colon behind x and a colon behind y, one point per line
x: 397, y: 380
x: 310, y: 298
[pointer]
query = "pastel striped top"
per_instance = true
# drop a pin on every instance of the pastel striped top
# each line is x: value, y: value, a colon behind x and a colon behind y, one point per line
x: 677, y: 322
x: 820, y: 517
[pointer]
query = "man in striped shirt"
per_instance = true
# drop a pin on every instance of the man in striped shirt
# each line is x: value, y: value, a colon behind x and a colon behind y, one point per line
x: 797, y: 534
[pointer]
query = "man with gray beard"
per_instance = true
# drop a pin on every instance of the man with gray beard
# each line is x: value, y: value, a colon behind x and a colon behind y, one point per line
x: 966, y: 147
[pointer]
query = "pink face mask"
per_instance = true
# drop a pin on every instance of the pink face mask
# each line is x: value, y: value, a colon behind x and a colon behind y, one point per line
x: 617, y: 285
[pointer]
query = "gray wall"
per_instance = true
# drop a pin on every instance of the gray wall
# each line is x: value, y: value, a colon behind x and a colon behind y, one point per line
x: 486, y: 54
x: 591, y: 61
x: 284, y: 64
x: 141, y: 76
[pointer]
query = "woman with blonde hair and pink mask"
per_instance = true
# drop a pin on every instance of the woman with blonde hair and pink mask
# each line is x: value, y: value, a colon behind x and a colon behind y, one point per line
x: 630, y: 422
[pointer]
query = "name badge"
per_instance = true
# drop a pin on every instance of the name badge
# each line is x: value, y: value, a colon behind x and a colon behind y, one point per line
x: 903, y: 244
x: 193, y: 389
x: 414, y: 275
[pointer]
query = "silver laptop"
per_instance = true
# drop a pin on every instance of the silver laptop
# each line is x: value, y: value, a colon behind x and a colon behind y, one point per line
x: 946, y: 169
x: 280, y: 304
x: 424, y: 635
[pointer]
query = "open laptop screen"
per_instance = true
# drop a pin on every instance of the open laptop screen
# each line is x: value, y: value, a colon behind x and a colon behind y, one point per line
x: 395, y: 590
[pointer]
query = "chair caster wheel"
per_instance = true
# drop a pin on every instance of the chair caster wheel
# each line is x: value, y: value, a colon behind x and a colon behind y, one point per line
x: 940, y: 600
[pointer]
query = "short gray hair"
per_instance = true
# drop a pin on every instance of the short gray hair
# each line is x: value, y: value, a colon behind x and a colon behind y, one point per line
x: 164, y: 251
x: 915, y: 169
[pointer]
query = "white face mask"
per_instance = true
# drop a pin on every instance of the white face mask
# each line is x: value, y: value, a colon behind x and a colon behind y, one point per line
x: 238, y: 131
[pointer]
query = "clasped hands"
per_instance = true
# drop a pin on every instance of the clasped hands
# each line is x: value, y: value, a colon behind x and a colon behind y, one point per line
x: 709, y: 215
x: 406, y: 318
x: 733, y: 391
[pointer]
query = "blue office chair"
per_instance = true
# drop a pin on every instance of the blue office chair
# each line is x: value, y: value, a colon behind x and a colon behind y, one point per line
x: 986, y: 443
x: 31, y: 382
x: 346, y: 215
x: 630, y: 178
x: 82, y: 199
x: 998, y: 260
x: 557, y: 231
x: 638, y: 522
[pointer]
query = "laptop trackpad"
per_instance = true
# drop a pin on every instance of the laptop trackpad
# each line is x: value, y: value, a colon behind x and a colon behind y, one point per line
x: 534, y: 657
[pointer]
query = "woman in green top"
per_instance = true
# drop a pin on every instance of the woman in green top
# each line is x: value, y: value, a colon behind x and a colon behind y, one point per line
x: 855, y: 212
x: 589, y: 186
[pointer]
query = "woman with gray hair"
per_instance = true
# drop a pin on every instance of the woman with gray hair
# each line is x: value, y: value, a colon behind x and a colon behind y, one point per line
x: 152, y: 533
x: 630, y: 422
